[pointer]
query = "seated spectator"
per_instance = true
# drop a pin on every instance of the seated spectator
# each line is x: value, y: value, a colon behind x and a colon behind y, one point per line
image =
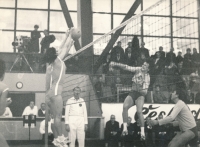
x: 170, y: 69
x: 189, y: 97
x: 136, y: 134
x: 197, y: 97
x: 170, y: 57
x: 179, y: 58
x: 112, y: 134
x: 117, y: 49
x: 149, y: 130
x: 127, y: 139
x: 160, y: 134
x: 42, y: 130
x: 179, y: 70
x: 7, y: 112
x: 144, y: 50
x: 159, y: 97
x: 41, y: 111
x: 187, y: 62
x: 31, y: 109
x: 105, y: 68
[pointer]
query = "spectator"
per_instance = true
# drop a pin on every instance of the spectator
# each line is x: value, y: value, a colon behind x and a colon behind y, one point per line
x: 144, y: 50
x: 41, y: 111
x: 117, y: 49
x: 187, y: 62
x: 35, y: 35
x: 127, y: 139
x: 170, y: 57
x: 196, y: 59
x: 7, y: 112
x: 150, y: 134
x: 159, y: 97
x: 189, y: 97
x: 129, y: 47
x: 179, y: 58
x: 141, y: 59
x: 180, y: 70
x: 42, y: 130
x: 98, y: 88
x: 106, y: 63
x: 197, y: 97
x: 31, y: 109
x: 135, y: 47
x: 76, y: 120
x: 160, y: 134
x: 162, y: 53
x: 129, y: 57
x: 112, y: 132
x: 118, y: 58
x: 45, y: 42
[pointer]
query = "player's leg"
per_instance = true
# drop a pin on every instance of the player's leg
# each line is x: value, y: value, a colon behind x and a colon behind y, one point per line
x: 139, y: 106
x: 181, y: 139
x: 128, y: 102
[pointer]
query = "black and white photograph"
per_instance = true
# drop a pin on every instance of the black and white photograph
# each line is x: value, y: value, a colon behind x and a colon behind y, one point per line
x: 100, y: 73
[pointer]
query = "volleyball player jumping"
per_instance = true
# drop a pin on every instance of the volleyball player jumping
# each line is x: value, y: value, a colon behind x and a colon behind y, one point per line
x: 141, y: 81
x: 55, y: 76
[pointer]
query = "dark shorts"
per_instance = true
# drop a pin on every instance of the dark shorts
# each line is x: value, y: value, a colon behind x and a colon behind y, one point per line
x: 135, y: 95
x: 194, y: 141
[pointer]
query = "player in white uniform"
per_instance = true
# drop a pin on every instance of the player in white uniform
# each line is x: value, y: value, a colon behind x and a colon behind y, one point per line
x: 180, y: 116
x: 141, y: 81
x: 54, y: 84
x: 4, y: 100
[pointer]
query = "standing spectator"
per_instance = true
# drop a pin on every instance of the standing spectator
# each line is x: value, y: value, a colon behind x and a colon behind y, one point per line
x: 127, y: 139
x: 41, y: 111
x: 189, y: 97
x: 162, y: 53
x: 112, y: 132
x: 140, y: 60
x: 144, y: 50
x: 135, y: 47
x: 105, y: 68
x: 35, y: 35
x: 159, y: 97
x: 42, y: 130
x: 195, y: 59
x: 187, y: 62
x: 179, y: 58
x: 170, y: 57
x: 46, y: 41
x: 117, y: 49
x: 129, y: 57
x: 76, y: 121
x: 98, y: 88
x: 31, y: 109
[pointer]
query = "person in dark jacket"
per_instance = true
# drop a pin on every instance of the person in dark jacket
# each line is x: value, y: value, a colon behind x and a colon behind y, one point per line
x: 112, y: 135
x: 35, y: 35
x: 41, y: 111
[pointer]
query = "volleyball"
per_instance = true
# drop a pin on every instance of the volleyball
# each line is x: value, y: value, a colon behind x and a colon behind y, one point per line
x: 75, y: 33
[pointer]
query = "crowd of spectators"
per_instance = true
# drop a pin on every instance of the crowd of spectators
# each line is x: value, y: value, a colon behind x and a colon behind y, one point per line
x: 157, y: 136
x: 164, y: 69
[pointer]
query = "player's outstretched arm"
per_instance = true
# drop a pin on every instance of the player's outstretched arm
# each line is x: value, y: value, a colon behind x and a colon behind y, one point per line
x: 124, y: 66
x: 66, y: 45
